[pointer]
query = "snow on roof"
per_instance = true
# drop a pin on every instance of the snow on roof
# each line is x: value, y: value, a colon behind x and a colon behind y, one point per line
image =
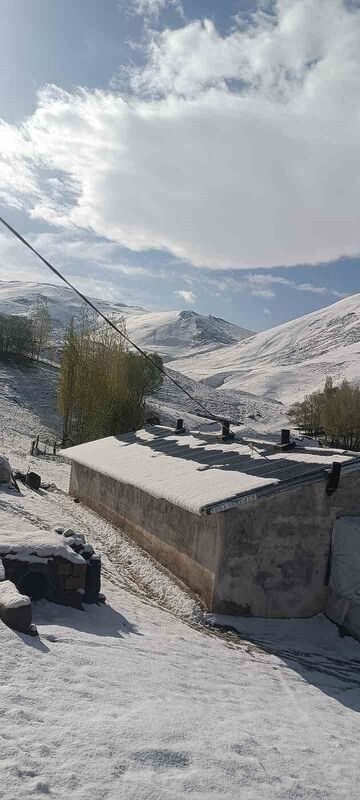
x: 34, y: 545
x: 198, y: 471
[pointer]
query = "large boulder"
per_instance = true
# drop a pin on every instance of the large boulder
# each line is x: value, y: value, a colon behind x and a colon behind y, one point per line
x: 15, y: 608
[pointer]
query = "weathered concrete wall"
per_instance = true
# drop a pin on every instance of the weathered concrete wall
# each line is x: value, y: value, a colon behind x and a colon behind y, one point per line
x: 267, y: 558
x: 187, y: 544
x: 275, y: 551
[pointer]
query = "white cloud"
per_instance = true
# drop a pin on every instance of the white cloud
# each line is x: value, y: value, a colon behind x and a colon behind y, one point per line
x: 189, y: 297
x: 262, y: 292
x: 264, y: 284
x: 153, y: 8
x: 86, y: 264
x: 234, y: 151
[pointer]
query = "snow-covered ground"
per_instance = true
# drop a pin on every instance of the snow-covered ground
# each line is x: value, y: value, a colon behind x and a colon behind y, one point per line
x: 251, y: 412
x: 290, y: 360
x: 143, y: 698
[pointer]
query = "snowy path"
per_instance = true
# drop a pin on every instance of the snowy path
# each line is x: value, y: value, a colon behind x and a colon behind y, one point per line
x: 137, y: 699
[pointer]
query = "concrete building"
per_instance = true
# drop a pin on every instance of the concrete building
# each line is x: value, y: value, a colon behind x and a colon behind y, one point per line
x: 246, y: 525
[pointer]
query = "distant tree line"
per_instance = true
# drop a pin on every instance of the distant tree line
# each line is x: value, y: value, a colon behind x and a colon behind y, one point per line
x: 25, y: 337
x: 333, y: 414
x: 103, y: 385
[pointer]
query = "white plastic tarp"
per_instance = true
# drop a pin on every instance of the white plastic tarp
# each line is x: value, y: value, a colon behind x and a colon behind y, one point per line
x: 344, y: 589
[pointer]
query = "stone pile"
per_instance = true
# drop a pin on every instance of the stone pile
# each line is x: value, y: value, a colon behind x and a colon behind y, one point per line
x: 92, y: 575
x: 58, y: 566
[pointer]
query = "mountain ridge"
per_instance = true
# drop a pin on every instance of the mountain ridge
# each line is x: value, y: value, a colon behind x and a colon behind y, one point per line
x: 172, y: 334
x: 290, y: 360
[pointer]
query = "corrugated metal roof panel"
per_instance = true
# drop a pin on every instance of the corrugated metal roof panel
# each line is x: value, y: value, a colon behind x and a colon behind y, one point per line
x: 200, y: 472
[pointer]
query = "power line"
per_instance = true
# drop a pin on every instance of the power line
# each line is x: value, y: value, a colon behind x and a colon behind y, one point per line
x: 110, y: 322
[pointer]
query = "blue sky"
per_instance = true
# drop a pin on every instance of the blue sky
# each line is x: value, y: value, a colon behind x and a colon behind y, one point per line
x: 188, y: 154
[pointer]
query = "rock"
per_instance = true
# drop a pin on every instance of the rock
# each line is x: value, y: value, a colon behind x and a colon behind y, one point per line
x: 70, y: 541
x: 5, y: 471
x: 93, y: 579
x: 74, y: 537
x: 63, y: 568
x: 19, y: 476
x: 87, y: 551
x: 76, y: 544
x: 15, y: 608
x: 59, y: 529
x: 73, y: 584
x: 33, y: 481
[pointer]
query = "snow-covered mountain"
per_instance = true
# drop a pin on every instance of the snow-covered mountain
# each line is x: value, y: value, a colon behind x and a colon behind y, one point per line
x: 17, y: 297
x: 290, y: 360
x: 172, y: 334
x: 182, y: 332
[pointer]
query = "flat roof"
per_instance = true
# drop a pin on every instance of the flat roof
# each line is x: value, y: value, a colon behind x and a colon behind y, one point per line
x: 200, y: 472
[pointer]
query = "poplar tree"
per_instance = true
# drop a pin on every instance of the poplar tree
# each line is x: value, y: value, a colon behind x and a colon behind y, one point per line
x: 103, y: 385
x: 42, y: 326
x: 16, y: 335
x: 333, y: 414
x: 67, y: 382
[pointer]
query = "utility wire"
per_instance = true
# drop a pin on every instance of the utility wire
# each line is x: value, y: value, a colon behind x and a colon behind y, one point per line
x: 208, y: 414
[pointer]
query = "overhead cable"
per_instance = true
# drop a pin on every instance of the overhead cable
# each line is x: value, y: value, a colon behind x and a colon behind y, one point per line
x: 208, y: 414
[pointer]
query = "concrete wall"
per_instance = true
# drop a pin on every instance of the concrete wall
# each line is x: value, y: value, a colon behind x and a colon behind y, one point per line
x: 275, y: 551
x: 266, y: 558
x: 187, y: 544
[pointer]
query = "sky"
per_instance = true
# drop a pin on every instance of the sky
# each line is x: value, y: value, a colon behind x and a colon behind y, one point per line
x: 184, y: 154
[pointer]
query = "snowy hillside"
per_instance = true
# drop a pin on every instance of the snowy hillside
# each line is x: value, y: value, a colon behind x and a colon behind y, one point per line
x: 252, y: 413
x: 17, y: 297
x: 290, y: 360
x: 172, y: 334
